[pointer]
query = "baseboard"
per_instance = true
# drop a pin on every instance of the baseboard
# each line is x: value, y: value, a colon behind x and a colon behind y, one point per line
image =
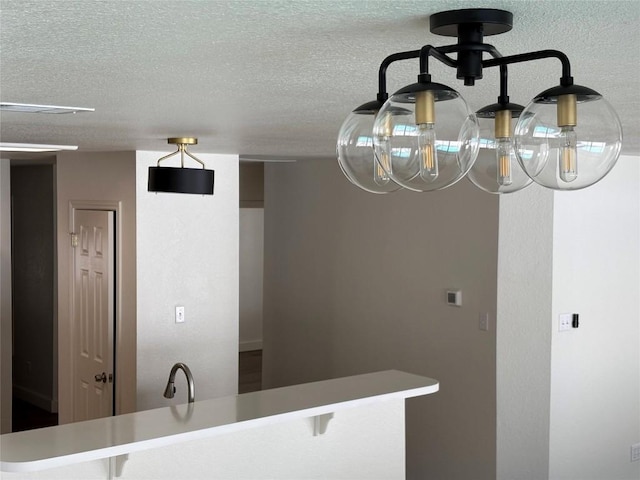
x: 34, y: 398
x: 250, y: 345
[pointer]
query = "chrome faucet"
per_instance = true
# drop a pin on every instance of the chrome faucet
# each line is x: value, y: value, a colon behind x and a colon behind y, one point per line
x: 170, y: 390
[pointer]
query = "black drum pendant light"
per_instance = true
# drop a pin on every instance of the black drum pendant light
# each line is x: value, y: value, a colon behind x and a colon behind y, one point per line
x: 181, y: 180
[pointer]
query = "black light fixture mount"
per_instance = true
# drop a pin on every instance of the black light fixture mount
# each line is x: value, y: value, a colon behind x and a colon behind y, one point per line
x: 425, y: 137
x: 181, y: 180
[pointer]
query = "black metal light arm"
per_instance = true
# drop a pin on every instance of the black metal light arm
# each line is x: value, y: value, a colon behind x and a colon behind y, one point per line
x: 435, y: 52
x: 566, y: 79
x: 383, y: 95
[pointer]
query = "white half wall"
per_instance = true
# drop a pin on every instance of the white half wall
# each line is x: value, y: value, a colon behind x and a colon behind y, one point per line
x: 595, y: 369
x: 187, y: 255
x: 362, y: 443
x: 355, y: 282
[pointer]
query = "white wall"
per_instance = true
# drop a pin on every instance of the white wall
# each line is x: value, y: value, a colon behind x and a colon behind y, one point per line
x: 568, y: 403
x: 187, y: 255
x: 523, y: 348
x: 595, y: 370
x: 98, y: 177
x: 251, y: 275
x: 355, y: 282
x: 5, y: 297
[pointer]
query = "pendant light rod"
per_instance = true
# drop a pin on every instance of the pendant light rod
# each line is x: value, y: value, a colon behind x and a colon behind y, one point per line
x: 504, y: 77
x: 182, y: 143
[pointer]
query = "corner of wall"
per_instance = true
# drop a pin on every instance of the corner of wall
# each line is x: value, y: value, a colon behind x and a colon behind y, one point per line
x: 523, y: 351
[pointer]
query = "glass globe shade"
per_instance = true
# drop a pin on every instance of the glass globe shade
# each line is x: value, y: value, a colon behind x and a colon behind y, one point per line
x: 545, y: 149
x: 496, y: 169
x: 356, y: 156
x: 412, y: 154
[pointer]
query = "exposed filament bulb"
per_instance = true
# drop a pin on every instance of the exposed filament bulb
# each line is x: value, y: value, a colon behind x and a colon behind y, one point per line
x: 381, y: 167
x: 382, y: 163
x: 426, y: 120
x: 567, y: 111
x: 505, y: 155
x: 428, y: 154
x: 568, y: 161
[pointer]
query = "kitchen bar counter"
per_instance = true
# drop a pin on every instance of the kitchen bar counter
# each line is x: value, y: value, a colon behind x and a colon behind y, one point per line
x: 112, y: 436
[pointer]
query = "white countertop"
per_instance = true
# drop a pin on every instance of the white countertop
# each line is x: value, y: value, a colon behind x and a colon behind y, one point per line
x: 111, y: 436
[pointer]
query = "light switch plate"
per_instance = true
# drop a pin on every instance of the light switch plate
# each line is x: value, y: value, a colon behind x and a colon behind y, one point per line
x: 180, y: 314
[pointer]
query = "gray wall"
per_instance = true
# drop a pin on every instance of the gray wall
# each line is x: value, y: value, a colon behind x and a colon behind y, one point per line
x: 356, y: 282
x: 5, y: 297
x: 33, y: 217
x: 98, y: 178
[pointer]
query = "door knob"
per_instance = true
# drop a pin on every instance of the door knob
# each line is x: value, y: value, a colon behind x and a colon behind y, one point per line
x: 101, y: 377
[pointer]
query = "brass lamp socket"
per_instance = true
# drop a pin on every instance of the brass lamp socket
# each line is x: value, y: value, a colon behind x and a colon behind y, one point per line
x: 567, y: 110
x: 425, y: 107
x: 503, y: 124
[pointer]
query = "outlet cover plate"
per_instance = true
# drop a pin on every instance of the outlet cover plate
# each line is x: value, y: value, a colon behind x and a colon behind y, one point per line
x: 635, y: 452
x: 564, y: 322
x: 483, y: 322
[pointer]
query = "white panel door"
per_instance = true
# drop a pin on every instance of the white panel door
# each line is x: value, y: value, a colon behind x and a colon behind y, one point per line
x: 93, y: 314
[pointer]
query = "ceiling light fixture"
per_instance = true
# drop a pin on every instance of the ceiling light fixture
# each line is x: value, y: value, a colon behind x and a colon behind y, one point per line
x: 34, y: 147
x: 32, y: 108
x: 181, y: 180
x: 425, y: 137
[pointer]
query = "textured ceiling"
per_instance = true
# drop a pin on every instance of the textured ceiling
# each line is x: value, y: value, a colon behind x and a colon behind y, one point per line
x: 274, y: 78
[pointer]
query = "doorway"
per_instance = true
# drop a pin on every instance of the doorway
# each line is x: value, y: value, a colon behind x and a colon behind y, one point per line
x: 251, y: 176
x: 33, y: 280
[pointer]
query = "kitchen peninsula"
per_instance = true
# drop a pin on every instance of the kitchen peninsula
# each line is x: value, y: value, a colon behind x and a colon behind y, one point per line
x: 350, y: 427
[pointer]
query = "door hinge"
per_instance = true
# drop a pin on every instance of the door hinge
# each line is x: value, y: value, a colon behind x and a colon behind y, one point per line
x: 74, y: 240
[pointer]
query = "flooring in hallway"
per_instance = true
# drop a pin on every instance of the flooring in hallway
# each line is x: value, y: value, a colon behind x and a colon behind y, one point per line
x: 250, y: 371
x: 26, y: 416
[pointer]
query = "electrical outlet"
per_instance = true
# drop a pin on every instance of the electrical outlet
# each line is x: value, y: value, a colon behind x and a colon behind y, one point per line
x: 564, y: 322
x: 180, y: 314
x: 635, y: 452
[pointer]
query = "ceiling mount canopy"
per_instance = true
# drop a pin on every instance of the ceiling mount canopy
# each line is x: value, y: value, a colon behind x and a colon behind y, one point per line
x: 425, y: 137
x: 181, y: 180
